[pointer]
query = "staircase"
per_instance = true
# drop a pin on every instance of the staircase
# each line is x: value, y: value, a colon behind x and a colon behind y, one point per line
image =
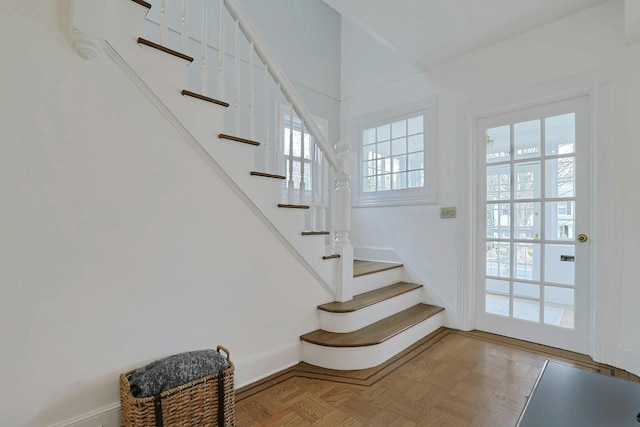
x: 384, y: 319
x: 309, y: 212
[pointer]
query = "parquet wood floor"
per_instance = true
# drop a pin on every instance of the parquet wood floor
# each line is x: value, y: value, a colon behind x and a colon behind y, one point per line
x: 449, y: 378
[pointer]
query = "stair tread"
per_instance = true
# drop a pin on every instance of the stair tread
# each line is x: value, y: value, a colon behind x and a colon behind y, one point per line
x: 164, y: 49
x: 377, y: 332
x: 185, y: 92
x: 316, y: 233
x: 362, y: 267
x: 369, y: 298
x: 238, y: 139
x: 267, y: 175
x: 143, y: 3
x: 291, y: 206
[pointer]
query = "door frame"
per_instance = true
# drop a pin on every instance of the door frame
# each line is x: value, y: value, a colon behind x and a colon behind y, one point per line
x: 605, y: 254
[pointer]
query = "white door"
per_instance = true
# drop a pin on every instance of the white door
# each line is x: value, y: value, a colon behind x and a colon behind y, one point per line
x: 533, y: 201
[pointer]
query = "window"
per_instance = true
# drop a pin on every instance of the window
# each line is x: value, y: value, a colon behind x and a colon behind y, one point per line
x: 292, y: 152
x: 395, y: 156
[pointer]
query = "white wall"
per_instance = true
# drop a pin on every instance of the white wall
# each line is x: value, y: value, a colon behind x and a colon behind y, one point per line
x: 118, y: 244
x: 578, y: 44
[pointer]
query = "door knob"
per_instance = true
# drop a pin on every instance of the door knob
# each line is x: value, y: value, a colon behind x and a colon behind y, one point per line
x: 582, y: 238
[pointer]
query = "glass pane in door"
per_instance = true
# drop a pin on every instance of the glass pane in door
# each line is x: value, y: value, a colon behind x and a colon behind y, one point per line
x: 530, y: 220
x: 533, y: 201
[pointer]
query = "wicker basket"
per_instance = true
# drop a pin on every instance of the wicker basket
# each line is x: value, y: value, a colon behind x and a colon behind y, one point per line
x: 207, y: 401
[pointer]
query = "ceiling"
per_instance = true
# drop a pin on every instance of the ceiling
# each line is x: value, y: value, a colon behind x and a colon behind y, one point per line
x: 429, y: 32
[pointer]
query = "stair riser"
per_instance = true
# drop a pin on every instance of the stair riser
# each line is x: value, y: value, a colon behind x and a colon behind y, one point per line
x: 165, y: 74
x: 203, y: 119
x: 162, y: 72
x: 370, y: 282
x: 349, y: 322
x: 126, y: 21
x: 353, y: 358
x: 263, y: 191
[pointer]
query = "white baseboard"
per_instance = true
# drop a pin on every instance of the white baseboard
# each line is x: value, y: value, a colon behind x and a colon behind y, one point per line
x: 263, y: 364
x: 107, y: 416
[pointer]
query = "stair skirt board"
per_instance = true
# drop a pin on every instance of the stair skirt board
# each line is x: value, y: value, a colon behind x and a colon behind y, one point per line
x: 352, y: 321
x: 353, y: 358
x: 370, y: 282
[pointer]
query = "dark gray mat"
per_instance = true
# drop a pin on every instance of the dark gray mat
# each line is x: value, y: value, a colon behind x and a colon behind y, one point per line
x: 565, y: 396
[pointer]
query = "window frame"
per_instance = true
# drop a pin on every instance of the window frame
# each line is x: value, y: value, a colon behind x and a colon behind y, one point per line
x: 398, y: 197
x: 323, y: 125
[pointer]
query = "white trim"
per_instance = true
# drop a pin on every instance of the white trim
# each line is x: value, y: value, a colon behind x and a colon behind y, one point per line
x: 466, y: 219
x: 397, y: 198
x: 397, y: 111
x: 606, y: 248
x: 193, y: 142
x: 106, y: 415
x: 599, y: 86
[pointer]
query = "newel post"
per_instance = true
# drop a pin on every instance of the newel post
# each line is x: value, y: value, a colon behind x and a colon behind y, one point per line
x: 88, y: 26
x: 342, y: 224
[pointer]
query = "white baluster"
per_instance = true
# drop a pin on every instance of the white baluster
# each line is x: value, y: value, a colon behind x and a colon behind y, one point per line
x: 279, y: 166
x: 237, y: 80
x: 290, y: 187
x: 205, y: 45
x: 342, y: 224
x: 303, y: 185
x: 164, y: 28
x: 331, y: 202
x: 267, y: 145
x: 252, y: 96
x: 314, y: 183
x: 221, y: 50
x: 323, y: 193
x: 185, y: 26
